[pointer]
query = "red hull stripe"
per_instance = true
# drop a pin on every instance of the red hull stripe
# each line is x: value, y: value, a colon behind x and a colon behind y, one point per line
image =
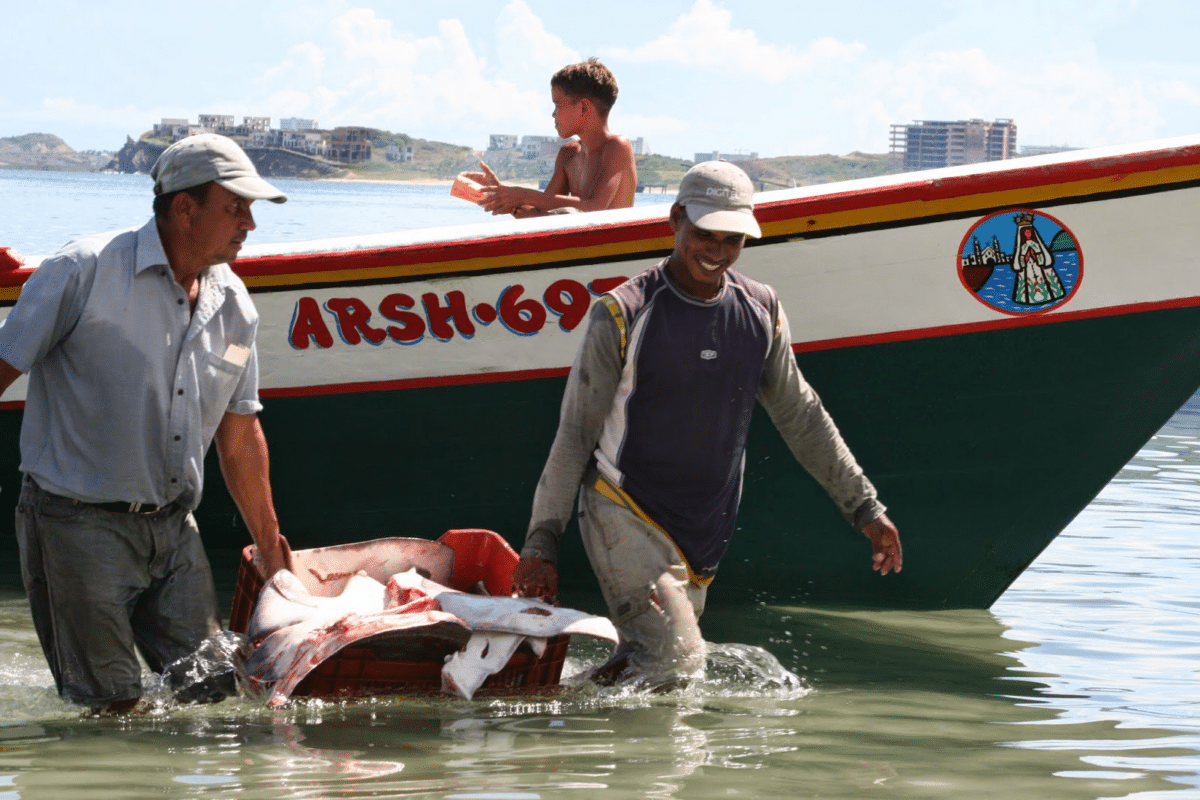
x: 892, y: 203
x: 803, y: 347
x: 939, y: 331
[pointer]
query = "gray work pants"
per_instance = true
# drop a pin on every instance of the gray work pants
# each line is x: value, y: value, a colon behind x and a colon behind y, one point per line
x: 104, y: 586
x: 654, y: 606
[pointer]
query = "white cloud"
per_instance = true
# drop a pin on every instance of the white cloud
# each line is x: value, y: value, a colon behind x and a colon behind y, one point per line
x: 1077, y: 102
x: 433, y: 86
x: 528, y: 53
x: 704, y: 38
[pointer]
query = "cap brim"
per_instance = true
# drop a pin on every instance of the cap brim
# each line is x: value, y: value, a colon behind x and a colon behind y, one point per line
x: 720, y: 219
x: 253, y: 188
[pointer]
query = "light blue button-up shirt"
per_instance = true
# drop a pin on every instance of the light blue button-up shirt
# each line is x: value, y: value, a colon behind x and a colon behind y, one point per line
x: 126, y: 384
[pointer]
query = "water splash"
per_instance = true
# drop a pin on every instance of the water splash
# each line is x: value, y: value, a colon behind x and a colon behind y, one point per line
x: 210, y: 674
x: 731, y: 671
x: 744, y: 670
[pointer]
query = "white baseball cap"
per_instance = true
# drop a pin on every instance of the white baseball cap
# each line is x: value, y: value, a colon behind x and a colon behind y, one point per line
x: 718, y: 196
x: 211, y: 157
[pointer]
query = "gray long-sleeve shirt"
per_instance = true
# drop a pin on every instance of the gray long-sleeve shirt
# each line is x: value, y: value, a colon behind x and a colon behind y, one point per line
x: 601, y: 409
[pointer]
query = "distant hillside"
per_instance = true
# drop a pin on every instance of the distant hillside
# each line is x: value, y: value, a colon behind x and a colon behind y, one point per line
x: 139, y: 157
x: 46, y: 151
x: 437, y: 161
x: 430, y: 160
x: 788, y: 171
x: 663, y: 173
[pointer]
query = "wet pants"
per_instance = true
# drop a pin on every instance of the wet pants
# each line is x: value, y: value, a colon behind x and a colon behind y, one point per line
x: 644, y: 579
x: 105, y: 586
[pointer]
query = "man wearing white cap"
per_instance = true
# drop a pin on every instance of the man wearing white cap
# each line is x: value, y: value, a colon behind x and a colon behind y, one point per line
x: 652, y: 435
x: 140, y: 349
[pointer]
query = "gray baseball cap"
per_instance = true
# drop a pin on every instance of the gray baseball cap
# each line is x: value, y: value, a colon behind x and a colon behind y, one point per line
x: 210, y: 157
x: 718, y: 196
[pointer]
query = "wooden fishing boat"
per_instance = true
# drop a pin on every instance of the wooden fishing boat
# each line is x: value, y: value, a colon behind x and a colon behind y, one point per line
x: 995, y: 342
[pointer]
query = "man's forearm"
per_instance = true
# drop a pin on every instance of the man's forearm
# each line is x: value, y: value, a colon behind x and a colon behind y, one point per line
x: 245, y: 464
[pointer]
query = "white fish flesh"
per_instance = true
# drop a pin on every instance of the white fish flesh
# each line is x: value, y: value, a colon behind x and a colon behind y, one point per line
x: 524, y: 615
x: 295, y: 631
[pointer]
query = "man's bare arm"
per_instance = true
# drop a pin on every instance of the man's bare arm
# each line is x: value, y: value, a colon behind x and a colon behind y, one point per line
x: 614, y: 187
x: 245, y: 463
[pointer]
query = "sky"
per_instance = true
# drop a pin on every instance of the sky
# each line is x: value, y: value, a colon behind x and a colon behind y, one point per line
x: 791, y: 77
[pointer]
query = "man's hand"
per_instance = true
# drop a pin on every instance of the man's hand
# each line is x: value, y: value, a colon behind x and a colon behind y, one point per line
x: 276, y: 554
x: 536, y: 577
x: 885, y: 543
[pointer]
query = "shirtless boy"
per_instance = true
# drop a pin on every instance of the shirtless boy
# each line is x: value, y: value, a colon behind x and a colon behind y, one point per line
x: 592, y: 173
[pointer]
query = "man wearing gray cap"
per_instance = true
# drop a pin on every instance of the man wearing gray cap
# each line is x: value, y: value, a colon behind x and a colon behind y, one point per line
x: 652, y: 435
x: 140, y: 349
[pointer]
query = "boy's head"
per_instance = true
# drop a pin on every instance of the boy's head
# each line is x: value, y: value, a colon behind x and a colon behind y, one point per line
x: 588, y: 79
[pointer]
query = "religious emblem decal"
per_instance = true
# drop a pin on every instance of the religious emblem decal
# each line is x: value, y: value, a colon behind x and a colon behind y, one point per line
x: 1020, y: 261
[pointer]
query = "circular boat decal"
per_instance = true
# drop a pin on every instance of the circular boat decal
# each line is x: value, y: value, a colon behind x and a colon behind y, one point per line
x: 1020, y: 261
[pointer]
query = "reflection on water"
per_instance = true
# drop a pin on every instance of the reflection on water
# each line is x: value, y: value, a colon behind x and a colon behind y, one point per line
x: 1080, y: 683
x: 919, y: 704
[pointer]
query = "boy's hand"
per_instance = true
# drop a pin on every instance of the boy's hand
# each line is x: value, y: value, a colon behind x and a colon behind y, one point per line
x: 484, y: 178
x: 502, y: 199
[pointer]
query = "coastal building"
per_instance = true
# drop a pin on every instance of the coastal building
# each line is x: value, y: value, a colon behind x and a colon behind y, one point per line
x: 502, y: 141
x: 930, y: 144
x: 172, y: 129
x: 350, y: 145
x: 719, y: 156
x: 216, y: 123
x: 543, y: 147
x: 396, y: 152
x: 310, y: 142
x: 540, y: 146
x: 297, y: 124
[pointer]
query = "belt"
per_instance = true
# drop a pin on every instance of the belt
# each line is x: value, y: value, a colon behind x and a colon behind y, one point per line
x: 126, y: 508
x: 117, y: 507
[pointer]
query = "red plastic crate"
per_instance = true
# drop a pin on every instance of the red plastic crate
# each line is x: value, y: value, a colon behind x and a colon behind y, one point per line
x: 480, y: 556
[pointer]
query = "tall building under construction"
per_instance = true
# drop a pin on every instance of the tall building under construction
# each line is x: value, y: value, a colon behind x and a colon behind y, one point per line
x: 929, y: 144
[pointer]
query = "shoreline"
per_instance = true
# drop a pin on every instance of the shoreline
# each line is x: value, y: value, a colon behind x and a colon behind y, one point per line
x: 359, y: 179
x: 447, y: 182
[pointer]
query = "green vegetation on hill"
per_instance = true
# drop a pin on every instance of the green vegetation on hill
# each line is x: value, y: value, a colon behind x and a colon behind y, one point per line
x: 431, y: 159
x: 46, y: 151
x: 442, y: 161
x: 663, y: 173
x: 788, y: 171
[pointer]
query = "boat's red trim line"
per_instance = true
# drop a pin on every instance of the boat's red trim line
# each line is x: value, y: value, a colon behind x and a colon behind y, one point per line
x: 916, y: 199
x: 1127, y: 172
x: 819, y: 214
x: 801, y: 347
x: 417, y: 383
x: 935, y: 332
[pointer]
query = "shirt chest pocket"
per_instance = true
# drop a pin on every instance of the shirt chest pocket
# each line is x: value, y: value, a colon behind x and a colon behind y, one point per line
x: 219, y: 379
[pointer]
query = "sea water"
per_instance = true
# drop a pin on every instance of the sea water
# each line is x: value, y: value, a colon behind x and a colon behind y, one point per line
x: 41, y: 211
x: 1082, y: 681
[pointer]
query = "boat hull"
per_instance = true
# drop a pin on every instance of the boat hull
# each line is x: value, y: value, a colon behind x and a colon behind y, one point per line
x: 413, y: 386
x: 976, y: 492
